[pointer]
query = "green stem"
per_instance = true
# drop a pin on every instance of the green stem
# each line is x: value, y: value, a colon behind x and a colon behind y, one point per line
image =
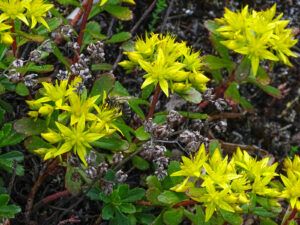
x: 154, y: 102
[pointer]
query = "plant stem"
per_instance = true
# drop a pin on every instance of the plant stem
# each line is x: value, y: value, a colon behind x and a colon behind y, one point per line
x: 50, y: 198
x: 154, y: 101
x: 87, y: 10
x: 34, y: 189
x: 293, y: 214
x: 14, y: 44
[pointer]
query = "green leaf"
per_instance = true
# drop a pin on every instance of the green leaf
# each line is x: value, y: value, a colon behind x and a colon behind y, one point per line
x: 95, y: 194
x: 213, y: 145
x: 267, y: 222
x: 31, y: 37
x: 221, y: 49
x: 245, y: 104
x: 191, y: 95
x: 145, y: 218
x: 111, y: 143
x: 9, y: 211
x: 29, y: 126
x: 60, y: 57
x: 216, y: 63
x: 243, y: 70
x: 4, y: 199
x: 147, y: 91
x: 128, y: 46
x: 260, y: 211
x: 159, y: 219
x: 141, y: 134
x: 6, y: 106
x: 262, y: 77
x: 70, y: 2
x: 212, y: 26
x: 230, y: 217
x: 12, y: 139
x: 120, y: 89
x: 108, y: 211
x: 134, y: 194
x: 35, y: 68
x: 2, y: 89
x: 198, y: 218
x: 126, y: 130
x: 9, y: 86
x: 172, y: 168
x: 127, y: 208
x: 232, y: 92
x: 7, y: 162
x: 35, y: 142
x: 110, y: 175
x: 92, y: 31
x: 73, y: 180
x: 102, y: 66
x: 104, y: 83
x: 137, y: 109
x: 192, y: 115
x: 21, y: 89
x: 171, y: 197
x: 53, y: 23
x: 121, y: 219
x: 140, y: 163
x: 152, y: 181
x: 173, y: 216
x: 268, y: 89
x: 2, y: 112
x: 119, y: 37
x: 57, y: 15
x: 160, y: 119
x: 3, y: 49
x: 120, y: 12
x: 151, y: 194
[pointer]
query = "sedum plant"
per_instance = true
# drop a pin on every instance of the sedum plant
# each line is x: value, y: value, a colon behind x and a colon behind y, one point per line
x: 167, y: 63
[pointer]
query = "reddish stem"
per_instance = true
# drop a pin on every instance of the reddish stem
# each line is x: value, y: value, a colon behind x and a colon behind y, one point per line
x: 154, y: 101
x: 35, y: 187
x: 185, y: 203
x: 294, y: 212
x: 51, y: 198
x: 14, y: 44
x: 87, y: 10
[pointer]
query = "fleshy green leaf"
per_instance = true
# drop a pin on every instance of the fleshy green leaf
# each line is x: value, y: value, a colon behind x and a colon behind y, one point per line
x: 22, y: 89
x: 134, y: 194
x: 191, y: 95
x: 232, y: 218
x: 102, y: 66
x: 108, y: 211
x: 212, y: 26
x: 73, y: 180
x: 34, y: 142
x: 140, y: 163
x: 111, y: 143
x: 171, y: 198
x: 232, y: 92
x: 173, y: 216
x: 119, y: 37
x: 120, y: 12
x: 141, y: 134
x: 104, y: 83
x: 29, y: 126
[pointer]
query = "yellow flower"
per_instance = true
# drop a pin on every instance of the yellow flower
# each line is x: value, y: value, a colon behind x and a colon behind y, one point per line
x: 182, y: 187
x: 291, y: 191
x: 192, y: 167
x: 102, y: 2
x: 5, y: 34
x: 36, y: 10
x: 74, y: 137
x: 13, y: 9
x: 79, y: 107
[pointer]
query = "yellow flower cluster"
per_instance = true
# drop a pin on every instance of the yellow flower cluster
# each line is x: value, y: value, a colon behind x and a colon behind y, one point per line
x: 24, y: 10
x: 257, y: 35
x: 80, y: 120
x: 102, y: 2
x: 167, y: 63
x: 220, y: 184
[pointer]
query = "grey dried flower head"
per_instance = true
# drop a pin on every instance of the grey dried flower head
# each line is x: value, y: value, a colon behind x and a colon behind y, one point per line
x: 63, y: 75
x: 162, y: 161
x: 73, y: 45
x: 18, y: 63
x: 149, y: 125
x: 48, y: 46
x: 66, y: 31
x: 79, y: 88
x: 208, y: 94
x: 192, y: 146
x: 76, y: 68
x: 74, y: 161
x: 187, y: 137
x: 107, y: 188
x: 120, y: 176
x: 14, y: 75
x: 174, y: 118
x: 85, y: 74
x: 148, y: 149
x: 158, y: 151
x: 29, y: 80
x: 91, y: 157
x: 161, y: 173
x: 102, y: 168
x: 117, y: 157
x: 197, y: 124
x: 96, y: 51
x: 220, y: 126
x: 35, y: 56
x: 82, y: 59
x: 220, y: 104
x: 91, y: 172
x: 161, y: 131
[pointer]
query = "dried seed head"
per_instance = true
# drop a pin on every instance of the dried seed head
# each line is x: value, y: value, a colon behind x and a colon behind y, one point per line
x: 148, y: 149
x: 82, y: 59
x: 174, y: 118
x: 187, y: 137
x: 161, y: 173
x: 91, y: 172
x: 117, y: 157
x: 102, y: 168
x: 14, y: 76
x: 120, y: 176
x: 197, y: 124
x: 63, y: 75
x: 107, y: 188
x: 161, y: 132
x: 208, y: 94
x: 76, y: 68
x: 162, y: 161
x: 47, y: 46
x: 159, y: 151
x: 91, y: 157
x: 220, y: 104
x: 96, y: 51
x: 85, y: 74
x: 29, y: 80
x: 73, y: 45
x: 192, y: 147
x: 35, y: 56
x: 66, y: 31
x: 74, y: 161
x: 149, y: 125
x: 18, y: 63
x: 79, y: 88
